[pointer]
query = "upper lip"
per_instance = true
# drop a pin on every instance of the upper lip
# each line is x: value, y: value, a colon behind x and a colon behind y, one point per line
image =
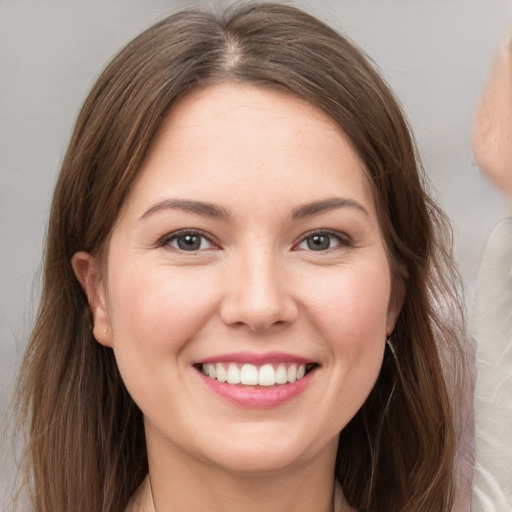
x: 255, y: 358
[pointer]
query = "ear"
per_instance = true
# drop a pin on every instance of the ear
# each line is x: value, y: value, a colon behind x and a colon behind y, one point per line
x: 396, y: 303
x: 87, y: 271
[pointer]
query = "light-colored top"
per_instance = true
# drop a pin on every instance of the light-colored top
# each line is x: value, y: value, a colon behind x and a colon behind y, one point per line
x: 491, y: 324
x: 141, y: 501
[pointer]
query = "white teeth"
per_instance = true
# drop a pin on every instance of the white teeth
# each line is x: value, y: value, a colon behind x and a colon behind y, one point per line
x: 292, y: 373
x: 267, y: 375
x: 222, y: 376
x: 233, y: 376
x: 281, y: 374
x: 250, y: 375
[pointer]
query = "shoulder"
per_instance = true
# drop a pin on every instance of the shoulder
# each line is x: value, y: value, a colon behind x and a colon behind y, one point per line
x: 499, y: 247
x: 141, y: 500
x: 493, y: 296
x: 492, y: 326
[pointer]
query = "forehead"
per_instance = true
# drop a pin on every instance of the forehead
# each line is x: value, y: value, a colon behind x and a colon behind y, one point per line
x: 250, y: 140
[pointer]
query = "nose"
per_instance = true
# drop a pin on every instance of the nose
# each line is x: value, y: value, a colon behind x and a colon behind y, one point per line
x: 257, y: 293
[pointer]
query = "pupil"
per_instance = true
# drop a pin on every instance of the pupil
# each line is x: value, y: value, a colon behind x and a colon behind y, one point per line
x: 319, y: 242
x: 189, y: 242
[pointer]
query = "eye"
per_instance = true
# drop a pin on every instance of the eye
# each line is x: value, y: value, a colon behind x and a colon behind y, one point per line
x: 188, y: 241
x: 322, y: 241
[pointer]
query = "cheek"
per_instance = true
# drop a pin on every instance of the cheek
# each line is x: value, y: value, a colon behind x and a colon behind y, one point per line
x: 349, y: 313
x: 351, y: 306
x: 154, y: 311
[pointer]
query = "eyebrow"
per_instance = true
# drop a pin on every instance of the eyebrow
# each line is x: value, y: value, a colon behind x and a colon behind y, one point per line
x: 325, y: 205
x: 211, y: 210
x: 197, y: 207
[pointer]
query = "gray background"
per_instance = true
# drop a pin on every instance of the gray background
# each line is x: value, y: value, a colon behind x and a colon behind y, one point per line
x: 435, y: 54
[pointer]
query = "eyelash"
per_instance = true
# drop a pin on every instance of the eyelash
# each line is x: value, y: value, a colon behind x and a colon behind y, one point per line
x: 175, y: 235
x: 341, y: 239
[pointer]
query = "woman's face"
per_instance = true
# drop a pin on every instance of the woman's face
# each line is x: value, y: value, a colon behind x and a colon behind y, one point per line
x: 247, y: 249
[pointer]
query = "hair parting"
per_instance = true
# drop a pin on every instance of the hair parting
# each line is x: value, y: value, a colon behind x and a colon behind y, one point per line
x: 86, y: 446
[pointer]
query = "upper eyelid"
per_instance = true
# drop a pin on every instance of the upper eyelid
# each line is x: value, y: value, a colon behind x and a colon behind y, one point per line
x: 337, y: 234
x: 165, y: 239
x: 343, y: 240
x: 343, y: 237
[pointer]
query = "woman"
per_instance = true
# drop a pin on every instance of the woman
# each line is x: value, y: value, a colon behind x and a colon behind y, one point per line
x: 243, y: 285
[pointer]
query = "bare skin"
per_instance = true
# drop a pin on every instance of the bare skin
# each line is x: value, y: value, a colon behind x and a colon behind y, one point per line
x: 250, y: 234
x: 492, y: 129
x: 142, y: 500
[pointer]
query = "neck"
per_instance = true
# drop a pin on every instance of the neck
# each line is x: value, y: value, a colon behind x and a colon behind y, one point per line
x: 181, y: 483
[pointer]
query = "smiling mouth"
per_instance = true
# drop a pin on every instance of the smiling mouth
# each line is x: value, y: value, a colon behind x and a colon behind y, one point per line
x: 247, y: 374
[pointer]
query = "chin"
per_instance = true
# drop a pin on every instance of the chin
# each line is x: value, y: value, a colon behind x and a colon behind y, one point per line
x: 255, y: 450
x: 256, y: 461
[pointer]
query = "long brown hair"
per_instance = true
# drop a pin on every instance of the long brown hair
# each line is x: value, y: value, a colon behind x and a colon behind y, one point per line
x: 86, y: 449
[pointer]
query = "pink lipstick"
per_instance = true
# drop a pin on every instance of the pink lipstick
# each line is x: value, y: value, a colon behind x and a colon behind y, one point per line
x: 256, y: 380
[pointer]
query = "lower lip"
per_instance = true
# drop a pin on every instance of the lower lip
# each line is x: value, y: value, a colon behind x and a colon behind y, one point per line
x: 257, y: 397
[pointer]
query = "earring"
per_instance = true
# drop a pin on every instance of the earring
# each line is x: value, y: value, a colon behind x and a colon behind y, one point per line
x: 390, y: 345
x: 396, y: 371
